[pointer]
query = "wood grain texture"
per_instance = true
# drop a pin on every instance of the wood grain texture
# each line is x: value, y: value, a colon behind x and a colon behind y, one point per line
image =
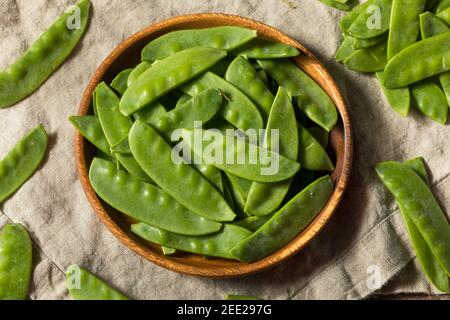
x: 127, y: 54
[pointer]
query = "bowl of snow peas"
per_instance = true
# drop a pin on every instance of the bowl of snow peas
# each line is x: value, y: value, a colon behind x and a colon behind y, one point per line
x: 213, y: 145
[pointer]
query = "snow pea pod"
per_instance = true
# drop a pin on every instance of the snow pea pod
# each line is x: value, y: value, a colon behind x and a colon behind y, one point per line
x: 430, y: 100
x: 444, y: 4
x: 419, y: 167
x: 341, y: 5
x: 366, y: 43
x: 368, y: 59
x: 368, y: 24
x: 226, y: 38
x: 321, y: 135
x: 15, y: 262
x: 238, y: 109
x: 138, y: 71
x: 132, y: 166
x: 119, y: 83
x: 264, y: 198
x: 261, y: 48
x: 122, y: 147
x: 167, y: 75
x: 22, y: 161
x: 213, y: 245
x: 310, y: 97
x: 151, y: 113
x: 258, y: 164
x: 91, y: 129
x: 311, y: 154
x: 419, y: 204
x: 241, y: 185
x: 168, y: 251
x: 287, y: 223
x: 346, y: 49
x: 445, y: 15
x: 399, y: 99
x: 45, y: 55
x: 83, y: 285
x: 243, y: 76
x: 430, y: 25
x: 252, y: 223
x: 145, y: 202
x: 179, y: 180
x: 350, y: 17
x: 236, y: 195
x: 421, y: 60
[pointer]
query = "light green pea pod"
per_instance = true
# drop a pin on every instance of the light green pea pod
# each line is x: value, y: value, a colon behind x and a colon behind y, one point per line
x: 430, y: 100
x: 213, y: 245
x: 286, y: 223
x: 91, y: 129
x: 341, y: 5
x: 445, y: 16
x: 151, y: 113
x: 211, y: 174
x: 83, y: 285
x: 138, y: 71
x: 350, y: 17
x: 321, y: 135
x: 263, y: 76
x: 239, y: 297
x: 45, y: 55
x: 168, y: 251
x: 167, y: 75
x: 183, y: 99
x: 346, y: 49
x: 261, y: 48
x: 15, y: 262
x: 237, y: 197
x: 122, y: 147
x: 399, y: 99
x: 252, y: 223
x: 119, y: 83
x: 311, y: 154
x: 130, y: 164
x: 242, y: 186
x: 369, y: 59
x: 22, y: 161
x: 444, y: 4
x: 430, y: 25
x: 366, y: 43
x: 373, y: 21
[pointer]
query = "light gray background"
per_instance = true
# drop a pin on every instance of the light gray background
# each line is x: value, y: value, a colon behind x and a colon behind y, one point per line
x: 366, y: 232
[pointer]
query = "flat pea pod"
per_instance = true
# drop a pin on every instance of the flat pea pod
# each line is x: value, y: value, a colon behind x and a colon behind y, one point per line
x: 261, y: 48
x: 310, y: 97
x: 83, y: 285
x: 240, y: 297
x: 131, y: 166
x: 45, y: 55
x: 238, y: 109
x: 264, y: 198
x: 138, y: 71
x: 344, y: 6
x: 345, y: 49
x: 151, y: 114
x: 286, y: 223
x: 213, y: 245
x: 122, y: 147
x: 430, y: 25
x: 226, y: 38
x: 399, y: 99
x: 184, y: 98
x: 15, y: 262
x: 252, y: 223
x: 429, y: 98
x: 444, y: 4
x: 242, y: 186
x: 119, y: 83
x: 419, y: 167
x: 237, y: 197
x: 404, y: 25
x: 445, y: 15
x: 179, y: 180
x: 243, y: 76
x: 311, y: 154
x: 421, y: 60
x: 373, y: 21
x: 420, y: 205
x: 368, y: 59
x: 366, y: 43
x: 145, y: 202
x: 258, y: 164
x: 91, y: 129
x: 350, y: 17
x: 167, y: 75
x: 22, y: 161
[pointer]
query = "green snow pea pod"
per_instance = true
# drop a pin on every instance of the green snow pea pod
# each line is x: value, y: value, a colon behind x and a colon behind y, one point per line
x: 213, y: 245
x: 366, y: 43
x: 179, y: 180
x: 286, y: 223
x: 151, y: 113
x: 227, y: 192
x: 138, y: 71
x: 350, y: 17
x: 404, y: 25
x: 122, y: 147
x: 430, y: 25
x: 430, y: 4
x: 263, y: 76
x: 168, y: 251
x: 119, y: 83
x: 311, y: 154
x: 239, y: 297
x: 22, y: 161
x: 238, y: 109
x: 430, y: 100
x: 264, y: 198
x: 341, y: 5
x: 167, y: 75
x: 45, y: 55
x: 252, y: 223
x: 15, y: 262
x: 419, y: 167
x: 421, y: 60
x: 345, y: 50
x: 242, y: 186
x: 369, y: 59
x: 261, y: 48
x: 236, y: 196
x: 91, y: 129
x: 419, y: 204
x: 226, y: 38
x: 445, y: 15
x: 145, y: 202
x: 221, y: 67
x: 132, y: 166
x: 445, y: 83
x: 444, y: 4
x: 243, y: 76
x: 310, y: 97
x: 399, y: 99
x: 373, y: 21
x: 184, y: 98
x: 321, y: 135
x: 248, y: 161
x: 83, y: 285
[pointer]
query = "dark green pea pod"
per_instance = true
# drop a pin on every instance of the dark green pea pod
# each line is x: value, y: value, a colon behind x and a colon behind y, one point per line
x: 399, y: 99
x: 261, y: 48
x: 252, y: 223
x: 119, y: 83
x: 45, y: 55
x: 311, y: 154
x: 321, y: 135
x: 371, y: 59
x: 373, y: 21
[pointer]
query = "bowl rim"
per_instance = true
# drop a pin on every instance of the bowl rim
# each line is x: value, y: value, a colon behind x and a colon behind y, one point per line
x: 243, y: 269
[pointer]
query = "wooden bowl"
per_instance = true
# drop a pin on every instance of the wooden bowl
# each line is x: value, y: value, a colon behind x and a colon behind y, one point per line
x: 127, y: 54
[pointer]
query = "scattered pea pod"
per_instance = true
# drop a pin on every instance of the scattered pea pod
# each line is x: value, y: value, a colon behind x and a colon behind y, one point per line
x: 399, y: 99
x: 347, y: 21
x: 345, y: 50
x: 341, y: 5
x: 368, y: 24
x: 430, y: 100
x: 368, y: 59
x: 366, y: 43
x: 261, y: 48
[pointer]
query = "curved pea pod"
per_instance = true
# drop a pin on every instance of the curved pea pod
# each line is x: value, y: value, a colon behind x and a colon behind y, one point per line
x: 421, y: 60
x: 369, y: 59
x: 22, y: 161
x: 419, y: 204
x: 237, y: 109
x: 83, y: 285
x: 366, y: 43
x: 213, y: 245
x: 372, y: 21
x: 341, y: 5
x: 178, y: 179
x: 430, y: 25
x: 45, y: 55
x: 444, y: 4
x: 238, y: 157
x: 145, y: 202
x: 167, y: 75
x: 138, y: 71
x: 122, y: 147
x: 286, y: 223
x: 310, y: 97
x: 430, y: 100
x: 346, y: 49
x: 91, y: 129
x: 119, y: 83
x: 151, y: 114
x: 243, y: 76
x: 445, y: 16
x: 261, y: 48
x: 350, y: 17
x: 226, y: 38
x: 184, y: 98
x: 15, y: 262
x: 252, y: 223
x: 242, y: 186
x: 419, y: 167
x: 311, y: 154
x: 264, y: 198
x: 399, y: 99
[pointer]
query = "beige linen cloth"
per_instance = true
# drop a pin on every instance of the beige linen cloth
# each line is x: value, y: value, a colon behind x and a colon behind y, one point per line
x: 365, y: 241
